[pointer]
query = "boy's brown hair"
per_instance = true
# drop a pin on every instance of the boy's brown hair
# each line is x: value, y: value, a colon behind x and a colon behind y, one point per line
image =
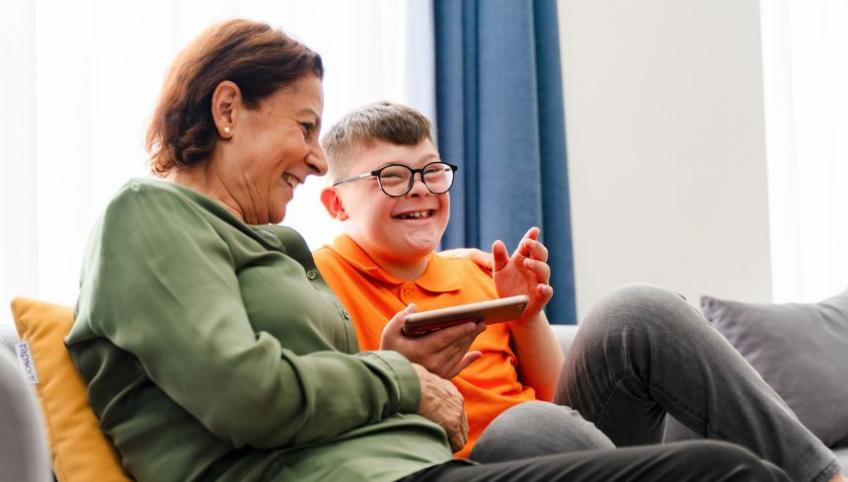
x: 362, y: 127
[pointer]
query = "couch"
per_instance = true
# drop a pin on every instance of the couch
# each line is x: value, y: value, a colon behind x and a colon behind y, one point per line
x: 29, y: 461
x: 565, y: 334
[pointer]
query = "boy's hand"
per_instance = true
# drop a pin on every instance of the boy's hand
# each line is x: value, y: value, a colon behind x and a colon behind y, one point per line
x: 526, y: 272
x: 444, y: 352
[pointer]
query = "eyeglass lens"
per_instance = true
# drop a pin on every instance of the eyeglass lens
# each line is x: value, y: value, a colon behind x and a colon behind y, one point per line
x: 397, y: 180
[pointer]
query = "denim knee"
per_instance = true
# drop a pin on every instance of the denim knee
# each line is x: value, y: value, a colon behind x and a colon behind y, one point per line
x: 641, y: 310
x: 534, y: 429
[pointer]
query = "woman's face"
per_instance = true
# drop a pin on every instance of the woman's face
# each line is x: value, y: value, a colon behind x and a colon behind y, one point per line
x: 272, y: 149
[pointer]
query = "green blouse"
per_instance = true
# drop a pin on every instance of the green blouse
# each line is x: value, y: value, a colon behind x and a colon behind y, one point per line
x: 214, y: 350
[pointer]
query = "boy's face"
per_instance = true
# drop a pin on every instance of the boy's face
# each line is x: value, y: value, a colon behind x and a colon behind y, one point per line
x: 398, y: 229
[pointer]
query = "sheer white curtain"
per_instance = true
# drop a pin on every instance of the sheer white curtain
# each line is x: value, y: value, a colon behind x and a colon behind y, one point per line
x: 805, y: 58
x: 79, y: 81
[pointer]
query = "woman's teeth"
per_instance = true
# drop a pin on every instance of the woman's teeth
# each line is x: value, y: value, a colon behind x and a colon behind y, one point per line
x: 291, y: 180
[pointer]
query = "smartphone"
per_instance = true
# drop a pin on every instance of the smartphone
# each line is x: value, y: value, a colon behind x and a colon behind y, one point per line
x: 490, y: 311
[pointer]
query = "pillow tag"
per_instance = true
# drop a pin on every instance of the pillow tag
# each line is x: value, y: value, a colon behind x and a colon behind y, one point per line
x: 26, y: 361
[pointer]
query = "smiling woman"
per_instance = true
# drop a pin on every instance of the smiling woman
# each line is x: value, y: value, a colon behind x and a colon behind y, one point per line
x: 259, y: 140
x: 84, y: 88
x: 265, y: 152
x: 210, y: 345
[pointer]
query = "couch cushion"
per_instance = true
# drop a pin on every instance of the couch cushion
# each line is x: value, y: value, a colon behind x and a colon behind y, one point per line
x: 79, y: 449
x: 842, y: 456
x: 801, y: 350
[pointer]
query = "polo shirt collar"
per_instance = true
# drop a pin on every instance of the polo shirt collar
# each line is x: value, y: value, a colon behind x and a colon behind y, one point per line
x: 437, y: 278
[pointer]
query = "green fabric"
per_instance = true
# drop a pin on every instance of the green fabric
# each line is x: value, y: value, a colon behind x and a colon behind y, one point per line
x: 214, y: 350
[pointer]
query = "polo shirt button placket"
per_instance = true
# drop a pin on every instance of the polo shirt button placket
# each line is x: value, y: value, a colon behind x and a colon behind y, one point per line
x: 311, y: 274
x: 406, y: 293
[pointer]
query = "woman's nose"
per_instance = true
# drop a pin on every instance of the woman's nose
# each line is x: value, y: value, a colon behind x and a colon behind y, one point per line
x: 317, y: 161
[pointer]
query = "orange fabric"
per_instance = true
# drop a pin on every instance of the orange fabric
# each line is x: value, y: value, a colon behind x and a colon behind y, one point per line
x: 79, y: 449
x: 490, y: 385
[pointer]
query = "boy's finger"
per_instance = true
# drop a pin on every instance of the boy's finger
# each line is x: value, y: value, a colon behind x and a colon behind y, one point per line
x: 500, y: 255
x: 546, y: 291
x: 541, y: 269
x: 468, y: 359
x: 538, y: 251
x: 533, y: 233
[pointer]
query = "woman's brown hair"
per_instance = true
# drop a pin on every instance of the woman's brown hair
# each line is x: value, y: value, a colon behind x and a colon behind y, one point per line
x: 253, y: 55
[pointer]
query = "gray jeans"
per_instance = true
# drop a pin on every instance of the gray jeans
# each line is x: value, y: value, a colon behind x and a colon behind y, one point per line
x: 640, y: 354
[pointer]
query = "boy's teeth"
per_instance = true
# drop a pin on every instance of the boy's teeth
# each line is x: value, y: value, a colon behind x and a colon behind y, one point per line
x: 416, y: 215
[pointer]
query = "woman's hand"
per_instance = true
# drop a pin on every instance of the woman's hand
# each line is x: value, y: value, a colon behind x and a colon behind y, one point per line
x: 526, y: 272
x: 480, y: 258
x: 444, y: 352
x: 442, y: 403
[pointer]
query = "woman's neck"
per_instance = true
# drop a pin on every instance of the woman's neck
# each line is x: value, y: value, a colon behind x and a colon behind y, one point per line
x: 203, y: 180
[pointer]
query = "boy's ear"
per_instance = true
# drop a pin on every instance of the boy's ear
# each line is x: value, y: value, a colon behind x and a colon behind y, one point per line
x: 333, y: 203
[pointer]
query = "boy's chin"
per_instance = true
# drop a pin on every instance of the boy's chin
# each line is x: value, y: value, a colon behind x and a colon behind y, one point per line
x: 420, y: 247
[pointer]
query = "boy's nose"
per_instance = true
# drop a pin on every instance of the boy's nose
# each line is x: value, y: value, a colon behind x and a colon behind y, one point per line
x: 418, y: 186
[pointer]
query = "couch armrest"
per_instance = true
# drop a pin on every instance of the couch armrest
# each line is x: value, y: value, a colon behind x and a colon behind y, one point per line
x: 23, y: 450
x: 7, y: 342
x: 565, y: 336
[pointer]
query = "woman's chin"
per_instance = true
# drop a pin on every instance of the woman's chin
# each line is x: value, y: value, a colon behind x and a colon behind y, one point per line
x: 277, y: 210
x: 276, y: 214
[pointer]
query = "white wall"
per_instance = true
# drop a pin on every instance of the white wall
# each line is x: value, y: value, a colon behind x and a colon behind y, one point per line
x: 665, y: 133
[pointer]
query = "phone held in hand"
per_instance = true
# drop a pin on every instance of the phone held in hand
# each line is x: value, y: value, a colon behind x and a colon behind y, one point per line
x: 490, y: 312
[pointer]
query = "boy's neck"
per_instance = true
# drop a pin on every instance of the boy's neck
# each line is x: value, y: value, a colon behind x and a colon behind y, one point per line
x: 405, y: 270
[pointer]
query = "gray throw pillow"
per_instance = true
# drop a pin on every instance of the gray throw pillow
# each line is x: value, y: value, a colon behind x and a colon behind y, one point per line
x: 801, y: 350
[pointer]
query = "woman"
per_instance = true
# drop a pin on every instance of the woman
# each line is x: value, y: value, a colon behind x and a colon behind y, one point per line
x: 213, y: 349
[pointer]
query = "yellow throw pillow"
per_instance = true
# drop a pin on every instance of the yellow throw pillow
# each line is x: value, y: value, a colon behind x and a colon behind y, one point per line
x: 79, y: 449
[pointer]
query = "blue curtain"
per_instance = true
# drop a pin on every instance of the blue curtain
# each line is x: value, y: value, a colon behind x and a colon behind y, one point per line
x: 500, y: 118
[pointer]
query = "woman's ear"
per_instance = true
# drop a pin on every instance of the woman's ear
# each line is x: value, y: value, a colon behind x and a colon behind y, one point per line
x: 333, y: 203
x: 225, y: 101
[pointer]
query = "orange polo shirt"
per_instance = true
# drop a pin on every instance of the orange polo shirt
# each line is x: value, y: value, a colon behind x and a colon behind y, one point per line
x: 490, y: 385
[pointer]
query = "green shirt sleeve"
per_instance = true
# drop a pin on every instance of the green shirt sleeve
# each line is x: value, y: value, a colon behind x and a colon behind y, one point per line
x: 161, y: 282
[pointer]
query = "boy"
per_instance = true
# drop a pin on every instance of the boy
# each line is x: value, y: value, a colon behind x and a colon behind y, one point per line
x: 641, y: 352
x: 394, y: 220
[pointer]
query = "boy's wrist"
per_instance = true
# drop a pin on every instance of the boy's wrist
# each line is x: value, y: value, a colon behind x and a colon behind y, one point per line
x: 539, y: 319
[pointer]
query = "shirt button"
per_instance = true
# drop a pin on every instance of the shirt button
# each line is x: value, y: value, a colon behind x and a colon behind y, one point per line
x: 311, y: 274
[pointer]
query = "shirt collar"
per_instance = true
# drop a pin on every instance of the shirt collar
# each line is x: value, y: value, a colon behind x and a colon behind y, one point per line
x: 439, y: 277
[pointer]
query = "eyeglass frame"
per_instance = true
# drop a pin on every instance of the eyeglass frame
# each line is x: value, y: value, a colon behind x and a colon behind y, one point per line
x: 376, y: 173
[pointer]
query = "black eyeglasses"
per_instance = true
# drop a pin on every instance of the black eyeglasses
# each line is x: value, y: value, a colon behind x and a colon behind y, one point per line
x: 396, y: 180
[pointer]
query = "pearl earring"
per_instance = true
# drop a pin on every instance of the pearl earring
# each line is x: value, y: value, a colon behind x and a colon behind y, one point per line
x: 227, y: 130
